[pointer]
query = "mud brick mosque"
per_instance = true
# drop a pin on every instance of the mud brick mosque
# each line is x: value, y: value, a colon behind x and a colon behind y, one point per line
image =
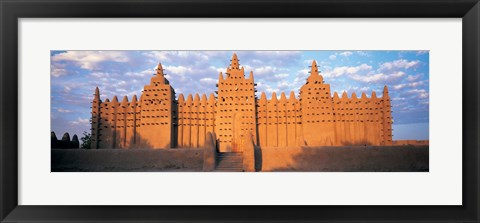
x: 159, y: 120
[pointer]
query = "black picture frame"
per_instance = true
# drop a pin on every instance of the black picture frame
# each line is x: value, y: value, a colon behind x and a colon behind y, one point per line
x: 11, y: 11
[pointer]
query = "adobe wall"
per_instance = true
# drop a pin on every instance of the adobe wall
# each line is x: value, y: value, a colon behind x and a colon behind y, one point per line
x: 360, y: 121
x: 122, y: 160
x: 159, y: 120
x: 157, y: 112
x: 279, y: 121
x: 411, y: 142
x: 317, y: 110
x: 343, y: 159
x: 300, y: 159
x: 195, y: 119
x: 236, y: 108
x: 147, y: 123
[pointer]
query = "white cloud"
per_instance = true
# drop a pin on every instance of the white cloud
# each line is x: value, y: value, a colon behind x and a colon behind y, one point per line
x: 67, y: 89
x: 57, y: 72
x: 411, y: 78
x: 81, y: 121
x: 346, y: 53
x: 420, y: 93
x: 421, y: 52
x: 362, y: 53
x: 340, y: 71
x: 332, y: 57
x: 261, y: 71
x: 178, y: 70
x: 399, y: 64
x: 378, y: 77
x: 208, y: 80
x: 264, y: 87
x: 61, y: 110
x: 118, y: 84
x: 172, y: 56
x: 413, y: 84
x: 100, y: 74
x: 144, y: 73
x: 218, y: 69
x: 268, y: 55
x: 280, y: 76
x: 89, y: 60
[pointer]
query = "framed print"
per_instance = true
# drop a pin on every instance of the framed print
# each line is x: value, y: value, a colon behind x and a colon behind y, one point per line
x: 205, y: 111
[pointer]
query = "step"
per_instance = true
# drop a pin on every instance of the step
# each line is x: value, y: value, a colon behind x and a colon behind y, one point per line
x: 229, y: 160
x: 229, y: 163
x: 229, y: 157
x: 229, y: 154
x: 228, y: 171
x: 220, y: 166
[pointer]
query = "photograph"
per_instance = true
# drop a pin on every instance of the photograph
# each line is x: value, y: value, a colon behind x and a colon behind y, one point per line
x: 223, y: 111
x: 239, y: 111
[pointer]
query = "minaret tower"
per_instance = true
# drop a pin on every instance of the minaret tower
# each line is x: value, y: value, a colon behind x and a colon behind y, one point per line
x: 387, y: 118
x: 236, y: 113
x: 96, y: 103
x: 158, y: 112
x: 317, y: 110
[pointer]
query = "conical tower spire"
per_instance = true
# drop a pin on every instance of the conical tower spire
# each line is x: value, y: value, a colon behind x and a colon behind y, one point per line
x: 274, y: 96
x: 354, y: 95
x: 292, y: 95
x: 159, y: 70
x: 181, y: 99
x: 283, y: 97
x: 220, y: 77
x: 314, y: 68
x: 234, y: 64
x: 385, y: 91
x: 196, y: 99
x: 124, y: 102
x: 314, y: 77
x: 97, y: 94
x: 211, y: 99
x: 263, y: 96
x: 335, y: 96
x: 159, y: 76
x: 189, y: 99
x: 364, y: 95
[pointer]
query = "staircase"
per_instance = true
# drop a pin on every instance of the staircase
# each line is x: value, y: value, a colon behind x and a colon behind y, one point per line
x: 229, y: 162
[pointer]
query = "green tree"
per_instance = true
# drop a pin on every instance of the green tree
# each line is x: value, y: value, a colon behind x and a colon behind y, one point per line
x: 86, y: 140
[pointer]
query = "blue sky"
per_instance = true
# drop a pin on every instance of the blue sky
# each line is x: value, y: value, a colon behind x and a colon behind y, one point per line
x: 75, y: 74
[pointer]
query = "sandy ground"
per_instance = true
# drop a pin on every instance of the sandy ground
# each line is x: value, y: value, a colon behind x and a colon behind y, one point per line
x: 126, y: 160
x: 344, y: 159
x: 299, y: 159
